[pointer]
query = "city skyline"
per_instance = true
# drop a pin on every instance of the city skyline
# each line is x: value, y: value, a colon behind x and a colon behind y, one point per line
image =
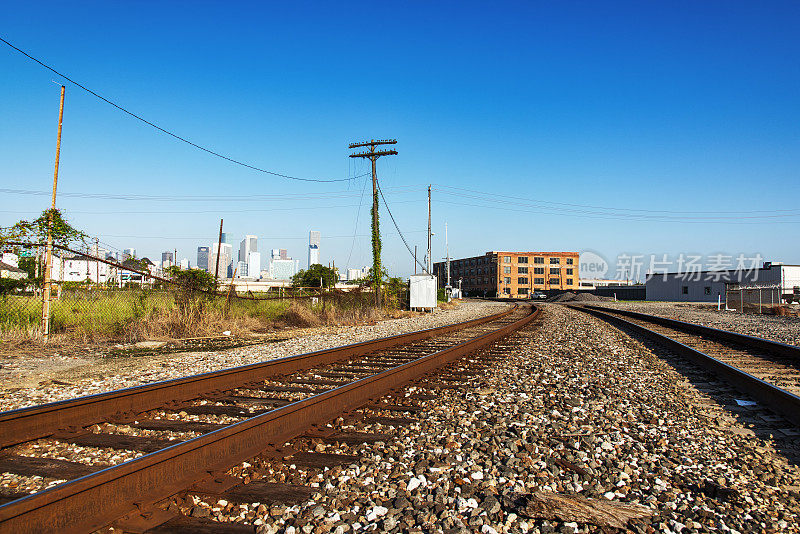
x: 657, y: 132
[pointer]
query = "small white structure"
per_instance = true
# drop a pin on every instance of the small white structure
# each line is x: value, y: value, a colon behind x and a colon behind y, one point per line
x: 423, y: 291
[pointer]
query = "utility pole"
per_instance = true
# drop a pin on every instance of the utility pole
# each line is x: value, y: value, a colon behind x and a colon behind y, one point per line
x: 447, y: 249
x: 49, y: 259
x: 97, y: 261
x: 415, y: 259
x: 219, y: 247
x: 428, y: 263
x: 373, y: 156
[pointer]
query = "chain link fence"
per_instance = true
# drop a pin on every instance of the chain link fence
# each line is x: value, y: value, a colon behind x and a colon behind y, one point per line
x: 95, y: 298
x: 753, y: 298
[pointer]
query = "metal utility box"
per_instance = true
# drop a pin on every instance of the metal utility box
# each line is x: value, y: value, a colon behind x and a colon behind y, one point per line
x: 422, y: 291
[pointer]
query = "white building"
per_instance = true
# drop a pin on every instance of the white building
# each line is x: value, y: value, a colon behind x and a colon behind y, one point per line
x: 283, y: 269
x: 314, y: 239
x: 249, y: 244
x: 80, y: 268
x: 708, y: 286
x: 357, y: 274
x: 254, y: 264
x: 185, y: 264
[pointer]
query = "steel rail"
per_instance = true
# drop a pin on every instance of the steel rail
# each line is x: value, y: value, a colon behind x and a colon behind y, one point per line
x: 778, y: 399
x: 26, y: 424
x: 756, y: 343
x: 76, y: 506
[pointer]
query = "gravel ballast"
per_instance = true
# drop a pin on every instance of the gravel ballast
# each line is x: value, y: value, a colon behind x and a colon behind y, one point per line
x: 776, y: 328
x: 23, y: 382
x: 577, y: 409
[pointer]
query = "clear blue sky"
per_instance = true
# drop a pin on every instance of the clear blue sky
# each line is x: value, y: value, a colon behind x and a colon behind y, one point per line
x: 678, y: 107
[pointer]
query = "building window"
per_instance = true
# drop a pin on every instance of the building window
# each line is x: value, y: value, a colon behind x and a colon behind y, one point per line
x: 522, y: 259
x: 569, y: 261
x: 707, y: 290
x: 569, y: 271
x: 538, y: 281
x: 522, y: 270
x: 523, y: 280
x: 685, y: 290
x: 523, y: 291
x: 538, y: 270
x: 506, y: 259
x: 538, y: 259
x: 554, y: 281
x: 507, y: 280
x: 569, y: 281
x: 507, y: 269
x: 555, y: 261
x: 506, y: 290
x: 555, y: 270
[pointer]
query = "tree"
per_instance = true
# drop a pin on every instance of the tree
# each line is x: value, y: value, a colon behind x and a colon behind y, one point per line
x: 312, y: 276
x: 192, y: 279
x: 37, y: 230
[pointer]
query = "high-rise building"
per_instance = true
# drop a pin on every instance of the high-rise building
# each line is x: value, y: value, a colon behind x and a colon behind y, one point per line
x: 167, y: 260
x: 224, y: 254
x: 128, y: 253
x: 254, y: 265
x: 224, y: 237
x: 202, y: 258
x: 314, y: 238
x: 241, y: 269
x: 249, y: 244
x: 185, y: 264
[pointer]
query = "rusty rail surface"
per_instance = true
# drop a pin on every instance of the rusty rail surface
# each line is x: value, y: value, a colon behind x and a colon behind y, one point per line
x: 123, y: 489
x: 26, y: 424
x: 778, y: 399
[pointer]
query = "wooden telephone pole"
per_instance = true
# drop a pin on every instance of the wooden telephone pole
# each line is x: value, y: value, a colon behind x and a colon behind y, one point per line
x: 46, y: 293
x: 373, y: 156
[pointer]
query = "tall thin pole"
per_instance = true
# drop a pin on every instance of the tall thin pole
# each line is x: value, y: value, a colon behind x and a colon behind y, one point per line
x: 49, y: 259
x: 447, y: 249
x: 376, y: 244
x: 428, y: 263
x: 96, y: 261
x: 415, y: 259
x: 219, y: 247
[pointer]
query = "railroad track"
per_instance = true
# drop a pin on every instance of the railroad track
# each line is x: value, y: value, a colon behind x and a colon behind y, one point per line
x: 766, y: 370
x: 188, y: 433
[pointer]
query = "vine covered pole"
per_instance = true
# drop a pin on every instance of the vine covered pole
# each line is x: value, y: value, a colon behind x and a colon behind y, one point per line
x: 373, y: 156
x: 47, y: 289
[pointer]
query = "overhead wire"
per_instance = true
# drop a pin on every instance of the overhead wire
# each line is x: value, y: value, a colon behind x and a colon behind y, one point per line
x: 166, y: 131
x: 424, y: 268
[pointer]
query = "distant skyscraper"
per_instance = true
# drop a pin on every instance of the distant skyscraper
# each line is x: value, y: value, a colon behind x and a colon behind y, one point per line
x: 128, y: 253
x: 249, y: 244
x: 314, y: 239
x: 224, y: 237
x: 185, y: 264
x: 225, y: 270
x: 254, y: 265
x: 202, y: 258
x: 167, y: 260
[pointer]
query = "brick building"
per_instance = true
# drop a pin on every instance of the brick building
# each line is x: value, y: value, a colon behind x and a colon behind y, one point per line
x: 511, y: 274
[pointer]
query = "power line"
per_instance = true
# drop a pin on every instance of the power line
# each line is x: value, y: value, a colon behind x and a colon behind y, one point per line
x: 355, y: 227
x: 539, y: 201
x: 200, y: 198
x: 617, y: 217
x: 424, y: 268
x: 164, y: 130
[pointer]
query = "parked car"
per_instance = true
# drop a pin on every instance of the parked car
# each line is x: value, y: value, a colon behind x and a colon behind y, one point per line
x: 539, y: 295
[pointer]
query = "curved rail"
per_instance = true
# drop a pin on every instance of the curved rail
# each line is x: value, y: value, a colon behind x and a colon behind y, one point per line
x: 73, y: 506
x: 778, y: 399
